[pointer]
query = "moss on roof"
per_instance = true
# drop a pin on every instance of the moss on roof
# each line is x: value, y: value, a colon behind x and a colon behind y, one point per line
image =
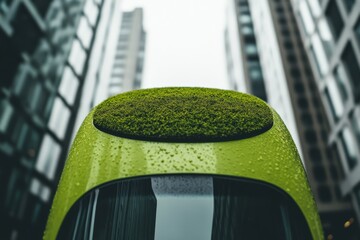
x: 183, y: 115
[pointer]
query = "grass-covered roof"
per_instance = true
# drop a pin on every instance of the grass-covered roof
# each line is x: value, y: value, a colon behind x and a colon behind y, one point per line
x: 183, y: 115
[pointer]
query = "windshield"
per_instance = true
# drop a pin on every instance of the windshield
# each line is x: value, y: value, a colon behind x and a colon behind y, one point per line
x: 179, y: 207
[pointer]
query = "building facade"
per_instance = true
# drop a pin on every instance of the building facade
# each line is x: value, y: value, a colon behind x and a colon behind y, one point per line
x: 320, y: 159
x: 244, y: 63
x: 45, y: 48
x: 242, y: 59
x: 331, y: 33
x: 118, y: 58
x: 128, y: 65
x: 291, y: 89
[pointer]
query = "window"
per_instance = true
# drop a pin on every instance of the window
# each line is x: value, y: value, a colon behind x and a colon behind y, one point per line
x: 245, y: 18
x: 69, y: 86
x: 45, y: 107
x: 279, y: 9
x: 26, y: 28
x: 247, y: 30
x: 6, y: 113
x: 27, y: 87
x: 341, y: 81
x: 250, y: 49
x: 356, y: 124
x: 15, y: 192
x: 123, y: 38
x: 42, y: 6
x: 335, y: 98
x: 334, y: 18
x: 306, y: 18
x: 332, y: 154
x: 115, y: 89
x: 138, y: 77
x: 255, y: 73
x: 299, y: 87
x: 326, y: 37
x: 77, y: 57
x: 333, y: 112
x: 43, y: 57
x: 348, y: 4
x: 91, y: 11
x: 324, y: 194
x: 4, y: 6
x: 315, y: 155
x: 59, y: 118
x: 310, y: 136
x: 319, y: 54
x: 119, y: 65
x: 32, y: 143
x: 306, y: 119
x: 244, y: 8
x: 357, y: 31
x: 352, y: 68
x: 334, y: 172
x: 288, y: 44
x: 295, y: 73
x: 121, y: 51
x: 124, y: 32
x: 302, y: 102
x: 121, y: 48
x: 357, y: 194
x: 84, y: 32
x: 39, y: 189
x: 319, y: 173
x: 252, y: 210
x: 120, y: 57
x: 285, y: 32
x: 315, y: 7
x: 18, y: 131
x: 117, y: 71
x: 35, y: 211
x: 48, y: 157
x: 349, y: 144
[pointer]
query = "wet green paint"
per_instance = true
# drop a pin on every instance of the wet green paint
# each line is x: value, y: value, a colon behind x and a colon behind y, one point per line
x: 97, y: 157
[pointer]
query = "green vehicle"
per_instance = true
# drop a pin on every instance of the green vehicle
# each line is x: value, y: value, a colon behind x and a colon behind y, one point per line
x: 183, y: 163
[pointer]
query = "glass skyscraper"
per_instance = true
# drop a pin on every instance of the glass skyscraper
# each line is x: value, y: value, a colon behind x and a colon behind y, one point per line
x: 45, y: 48
x: 128, y: 65
x: 331, y: 33
x: 291, y: 88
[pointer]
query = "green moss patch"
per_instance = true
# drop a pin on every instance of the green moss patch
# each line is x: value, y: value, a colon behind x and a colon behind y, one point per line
x: 183, y: 115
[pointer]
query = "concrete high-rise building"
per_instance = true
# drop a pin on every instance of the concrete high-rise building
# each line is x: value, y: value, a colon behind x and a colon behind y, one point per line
x: 118, y: 60
x: 44, y: 54
x: 242, y: 47
x: 100, y: 64
x: 331, y: 32
x: 243, y: 64
x: 291, y: 89
x: 129, y: 55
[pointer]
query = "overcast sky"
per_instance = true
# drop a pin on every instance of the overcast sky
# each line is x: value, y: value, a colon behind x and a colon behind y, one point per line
x: 185, y: 45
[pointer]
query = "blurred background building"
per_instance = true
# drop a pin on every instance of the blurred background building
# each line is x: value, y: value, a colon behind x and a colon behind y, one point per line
x: 119, y: 62
x: 54, y: 58
x: 330, y: 31
x: 242, y: 58
x: 45, y: 47
x: 60, y: 58
x: 129, y: 58
x: 268, y: 32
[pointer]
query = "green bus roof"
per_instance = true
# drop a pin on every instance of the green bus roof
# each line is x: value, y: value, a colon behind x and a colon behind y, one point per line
x: 97, y: 157
x: 183, y: 115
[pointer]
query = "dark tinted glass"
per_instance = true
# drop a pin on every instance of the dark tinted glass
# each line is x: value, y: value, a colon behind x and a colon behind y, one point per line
x: 185, y: 207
